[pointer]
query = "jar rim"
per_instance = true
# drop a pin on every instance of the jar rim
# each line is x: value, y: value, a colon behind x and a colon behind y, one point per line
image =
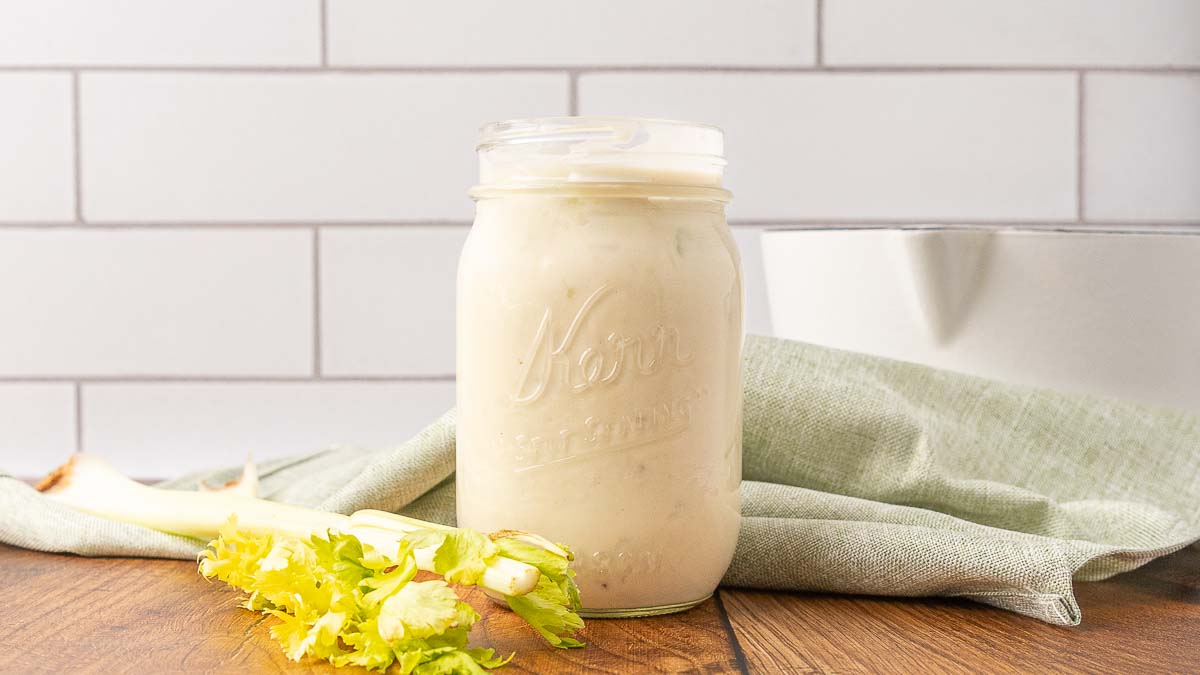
x: 606, y: 149
x: 533, y: 129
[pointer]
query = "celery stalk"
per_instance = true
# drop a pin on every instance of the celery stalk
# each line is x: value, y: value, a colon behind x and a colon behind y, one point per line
x: 90, y: 484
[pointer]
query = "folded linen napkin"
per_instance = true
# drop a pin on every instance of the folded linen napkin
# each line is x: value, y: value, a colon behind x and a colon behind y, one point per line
x: 862, y: 475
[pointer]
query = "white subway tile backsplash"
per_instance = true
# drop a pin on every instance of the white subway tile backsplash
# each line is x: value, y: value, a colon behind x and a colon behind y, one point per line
x: 160, y: 32
x: 1143, y: 147
x: 198, y: 344
x: 145, y: 302
x: 37, y: 427
x: 387, y: 300
x: 162, y: 430
x: 1012, y: 32
x: 985, y: 146
x: 280, y: 147
x: 36, y: 162
x: 547, y: 33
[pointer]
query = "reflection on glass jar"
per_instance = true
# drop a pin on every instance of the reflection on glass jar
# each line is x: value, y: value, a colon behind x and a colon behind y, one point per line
x: 599, y: 341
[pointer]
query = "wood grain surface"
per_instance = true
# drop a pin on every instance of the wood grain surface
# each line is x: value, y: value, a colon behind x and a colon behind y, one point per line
x: 106, y: 615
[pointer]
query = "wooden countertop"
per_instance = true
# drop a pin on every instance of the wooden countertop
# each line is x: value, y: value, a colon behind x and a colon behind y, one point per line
x: 107, y: 615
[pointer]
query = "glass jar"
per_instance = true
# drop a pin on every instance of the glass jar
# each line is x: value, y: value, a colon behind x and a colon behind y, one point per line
x: 599, y: 343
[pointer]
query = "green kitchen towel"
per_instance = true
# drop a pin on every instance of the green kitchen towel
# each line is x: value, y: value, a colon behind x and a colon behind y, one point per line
x: 863, y: 475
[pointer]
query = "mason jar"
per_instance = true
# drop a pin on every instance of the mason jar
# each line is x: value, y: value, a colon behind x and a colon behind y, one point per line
x: 599, y: 342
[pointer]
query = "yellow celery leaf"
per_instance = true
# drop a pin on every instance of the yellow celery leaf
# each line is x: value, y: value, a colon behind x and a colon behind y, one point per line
x: 338, y: 599
x: 463, y: 556
x: 420, y: 609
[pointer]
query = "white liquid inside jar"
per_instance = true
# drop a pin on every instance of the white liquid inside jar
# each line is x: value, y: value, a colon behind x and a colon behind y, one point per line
x: 599, y: 342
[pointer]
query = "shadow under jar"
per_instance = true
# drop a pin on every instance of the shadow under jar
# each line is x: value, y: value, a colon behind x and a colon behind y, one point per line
x: 599, y: 344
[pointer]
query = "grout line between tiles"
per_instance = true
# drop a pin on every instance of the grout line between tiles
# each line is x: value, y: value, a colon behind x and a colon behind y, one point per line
x: 573, y: 93
x: 735, y: 222
x: 868, y: 222
x: 238, y: 225
x: 316, y: 300
x: 87, y: 380
x: 78, y: 417
x: 819, y: 39
x: 77, y: 146
x: 612, y: 68
x: 324, y: 33
x: 1166, y: 227
x: 1080, y: 147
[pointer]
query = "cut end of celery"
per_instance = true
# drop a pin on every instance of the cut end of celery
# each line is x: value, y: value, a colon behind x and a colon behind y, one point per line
x: 60, y: 478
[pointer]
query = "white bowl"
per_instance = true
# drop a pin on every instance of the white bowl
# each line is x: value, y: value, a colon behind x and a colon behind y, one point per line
x: 1108, y: 312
